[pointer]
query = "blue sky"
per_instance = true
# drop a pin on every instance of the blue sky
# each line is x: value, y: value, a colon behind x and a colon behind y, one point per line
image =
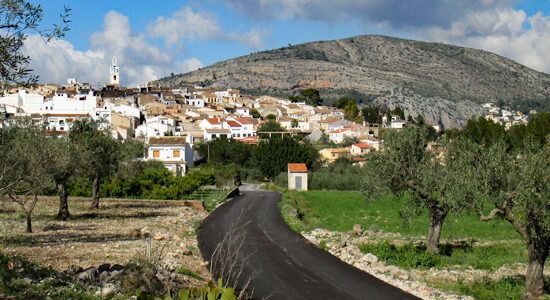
x: 155, y: 38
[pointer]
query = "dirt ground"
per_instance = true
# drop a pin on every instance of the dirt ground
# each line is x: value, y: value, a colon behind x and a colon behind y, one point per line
x: 115, y: 234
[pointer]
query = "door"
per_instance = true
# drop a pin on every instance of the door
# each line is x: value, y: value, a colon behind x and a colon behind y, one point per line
x: 298, y: 183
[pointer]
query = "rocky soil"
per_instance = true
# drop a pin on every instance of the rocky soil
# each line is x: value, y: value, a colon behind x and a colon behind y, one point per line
x: 451, y: 81
x: 344, y: 245
x: 103, y: 247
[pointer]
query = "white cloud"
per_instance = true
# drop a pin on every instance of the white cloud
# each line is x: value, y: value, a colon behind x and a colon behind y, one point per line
x: 507, y: 32
x: 396, y: 13
x: 138, y: 60
x: 191, y: 25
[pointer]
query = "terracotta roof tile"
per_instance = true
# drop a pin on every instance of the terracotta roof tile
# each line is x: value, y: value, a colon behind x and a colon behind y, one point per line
x: 167, y: 140
x: 297, y: 168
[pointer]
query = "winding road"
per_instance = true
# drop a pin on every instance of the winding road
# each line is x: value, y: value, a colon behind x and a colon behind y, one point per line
x: 247, y: 239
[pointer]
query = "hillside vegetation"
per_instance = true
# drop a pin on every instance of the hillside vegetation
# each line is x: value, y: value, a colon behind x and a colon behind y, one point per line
x: 443, y: 82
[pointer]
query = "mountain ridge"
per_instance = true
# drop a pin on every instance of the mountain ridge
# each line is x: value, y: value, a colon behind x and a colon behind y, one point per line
x: 443, y: 82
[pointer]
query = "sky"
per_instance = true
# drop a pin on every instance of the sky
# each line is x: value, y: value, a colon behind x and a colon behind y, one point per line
x: 152, y: 39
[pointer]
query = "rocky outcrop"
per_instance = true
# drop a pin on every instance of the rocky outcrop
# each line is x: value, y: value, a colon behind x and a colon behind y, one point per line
x: 448, y: 81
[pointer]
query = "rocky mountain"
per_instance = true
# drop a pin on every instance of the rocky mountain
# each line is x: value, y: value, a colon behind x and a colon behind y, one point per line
x: 443, y: 82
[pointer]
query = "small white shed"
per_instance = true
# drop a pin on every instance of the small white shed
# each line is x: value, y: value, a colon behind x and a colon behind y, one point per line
x: 297, y: 177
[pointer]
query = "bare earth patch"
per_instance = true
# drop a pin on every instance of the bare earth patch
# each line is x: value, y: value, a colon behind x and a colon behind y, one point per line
x: 108, y: 235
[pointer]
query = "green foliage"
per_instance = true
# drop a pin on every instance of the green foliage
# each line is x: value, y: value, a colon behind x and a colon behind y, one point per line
x: 102, y: 152
x: 271, y: 117
x: 340, y: 210
x: 226, y: 151
x: 13, y: 271
x: 407, y: 256
x: 25, y: 148
x: 340, y: 175
x: 517, y: 183
x: 254, y: 113
x: 483, y: 131
x: 398, y: 111
x: 270, y: 126
x: 309, y: 96
x: 437, y: 184
x: 146, y: 180
x: 539, y: 127
x: 507, y: 288
x: 185, y: 271
x: 371, y: 114
x: 272, y: 155
x: 19, y: 18
x: 210, y: 291
x: 414, y: 256
x: 533, y: 104
x: 349, y: 140
x: 486, y: 132
x: 348, y: 104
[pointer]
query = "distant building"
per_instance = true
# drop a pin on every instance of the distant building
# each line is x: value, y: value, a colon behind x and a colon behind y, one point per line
x: 329, y: 155
x: 360, y: 149
x: 174, y: 153
x: 297, y: 177
x: 114, y: 73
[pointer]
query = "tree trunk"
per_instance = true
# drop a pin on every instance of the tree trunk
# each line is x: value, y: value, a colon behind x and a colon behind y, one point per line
x: 535, y: 278
x: 29, y: 221
x: 434, y: 233
x: 63, y: 213
x: 95, y: 192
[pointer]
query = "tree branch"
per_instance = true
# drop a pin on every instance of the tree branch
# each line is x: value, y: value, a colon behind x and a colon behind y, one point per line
x: 493, y: 214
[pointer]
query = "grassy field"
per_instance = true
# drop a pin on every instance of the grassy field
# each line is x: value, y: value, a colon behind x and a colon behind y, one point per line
x: 467, y: 242
x: 340, y: 210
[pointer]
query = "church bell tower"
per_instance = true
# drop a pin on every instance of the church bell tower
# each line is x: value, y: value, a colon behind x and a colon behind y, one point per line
x: 114, y: 73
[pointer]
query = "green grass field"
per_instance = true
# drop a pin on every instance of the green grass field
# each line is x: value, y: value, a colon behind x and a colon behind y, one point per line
x: 340, y: 210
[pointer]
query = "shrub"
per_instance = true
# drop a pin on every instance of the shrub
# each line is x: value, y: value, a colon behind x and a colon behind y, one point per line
x: 407, y: 256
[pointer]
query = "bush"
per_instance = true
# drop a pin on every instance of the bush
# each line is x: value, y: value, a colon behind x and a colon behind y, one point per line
x: 407, y: 256
x: 15, y: 270
x: 340, y: 175
x: 146, y: 180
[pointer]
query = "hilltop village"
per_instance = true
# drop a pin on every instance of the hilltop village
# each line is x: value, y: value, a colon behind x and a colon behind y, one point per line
x: 170, y: 121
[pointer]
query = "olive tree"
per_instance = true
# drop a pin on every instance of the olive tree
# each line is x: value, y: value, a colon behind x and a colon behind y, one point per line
x: 61, y: 168
x: 435, y: 180
x: 518, y: 186
x: 100, y: 154
x: 24, y: 160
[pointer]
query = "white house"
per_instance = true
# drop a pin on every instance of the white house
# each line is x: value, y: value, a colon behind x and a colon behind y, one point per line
x: 359, y: 149
x: 242, y: 111
x: 339, y: 135
x: 210, y: 123
x: 156, y: 126
x: 174, y: 153
x: 297, y: 177
x: 247, y: 126
x: 196, y: 102
x: 61, y: 103
x: 374, y: 144
x: 216, y: 133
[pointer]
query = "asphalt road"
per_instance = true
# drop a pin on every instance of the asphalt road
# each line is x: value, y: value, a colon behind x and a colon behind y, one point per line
x: 248, y: 236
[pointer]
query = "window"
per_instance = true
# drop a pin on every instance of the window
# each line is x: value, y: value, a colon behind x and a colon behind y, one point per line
x: 176, y: 153
x: 156, y: 153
